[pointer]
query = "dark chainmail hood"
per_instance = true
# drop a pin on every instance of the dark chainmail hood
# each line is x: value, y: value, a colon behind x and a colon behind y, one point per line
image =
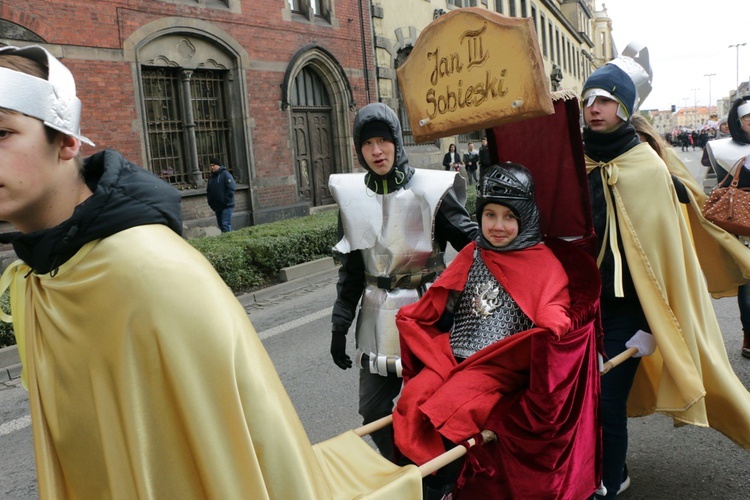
x: 401, y: 172
x: 511, y: 185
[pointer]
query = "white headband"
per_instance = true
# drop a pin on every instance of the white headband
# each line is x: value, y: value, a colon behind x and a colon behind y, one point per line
x: 591, y: 94
x: 52, y: 101
x: 744, y: 109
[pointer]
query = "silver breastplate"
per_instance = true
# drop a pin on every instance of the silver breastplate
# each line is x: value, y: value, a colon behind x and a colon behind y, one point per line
x: 394, y: 232
x: 485, y: 313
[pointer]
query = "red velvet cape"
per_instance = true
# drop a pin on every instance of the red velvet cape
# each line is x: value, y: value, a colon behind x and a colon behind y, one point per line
x: 537, y: 390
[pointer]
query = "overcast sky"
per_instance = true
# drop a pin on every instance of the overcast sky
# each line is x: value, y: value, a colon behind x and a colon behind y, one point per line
x: 686, y: 40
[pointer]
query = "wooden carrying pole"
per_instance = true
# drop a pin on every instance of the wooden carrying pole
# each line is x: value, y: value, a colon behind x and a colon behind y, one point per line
x: 455, y: 453
x: 626, y: 354
x: 374, y: 426
x: 437, y: 462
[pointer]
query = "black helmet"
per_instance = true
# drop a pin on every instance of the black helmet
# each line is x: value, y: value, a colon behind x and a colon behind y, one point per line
x: 511, y: 185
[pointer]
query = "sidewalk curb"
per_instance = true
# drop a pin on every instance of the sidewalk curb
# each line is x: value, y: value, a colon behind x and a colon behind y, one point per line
x: 305, y: 280
x: 10, y: 363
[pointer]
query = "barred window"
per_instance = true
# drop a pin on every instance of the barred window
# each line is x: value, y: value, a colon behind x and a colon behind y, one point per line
x: 172, y: 108
x: 311, y: 9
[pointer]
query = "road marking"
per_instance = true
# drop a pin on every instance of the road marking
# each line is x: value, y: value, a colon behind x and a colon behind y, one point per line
x: 295, y: 324
x: 15, y: 425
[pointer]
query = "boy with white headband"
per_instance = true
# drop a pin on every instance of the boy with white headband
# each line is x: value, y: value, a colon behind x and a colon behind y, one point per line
x: 145, y: 376
x: 654, y: 295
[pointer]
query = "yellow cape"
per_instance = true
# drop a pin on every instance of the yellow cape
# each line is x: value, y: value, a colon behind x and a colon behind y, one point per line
x: 724, y: 259
x: 689, y: 376
x: 147, y: 380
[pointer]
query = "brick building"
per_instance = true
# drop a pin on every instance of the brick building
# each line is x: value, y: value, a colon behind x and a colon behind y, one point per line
x: 269, y: 87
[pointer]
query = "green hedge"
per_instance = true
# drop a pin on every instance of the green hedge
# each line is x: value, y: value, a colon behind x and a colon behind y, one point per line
x: 471, y: 200
x: 251, y: 257
x: 6, y: 329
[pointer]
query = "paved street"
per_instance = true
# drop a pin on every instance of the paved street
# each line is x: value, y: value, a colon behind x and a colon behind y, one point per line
x: 664, y: 462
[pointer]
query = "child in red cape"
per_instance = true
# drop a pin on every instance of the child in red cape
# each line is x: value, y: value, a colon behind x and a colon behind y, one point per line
x: 505, y: 340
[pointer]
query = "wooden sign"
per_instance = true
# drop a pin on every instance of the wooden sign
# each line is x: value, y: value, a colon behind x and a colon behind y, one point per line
x: 473, y: 69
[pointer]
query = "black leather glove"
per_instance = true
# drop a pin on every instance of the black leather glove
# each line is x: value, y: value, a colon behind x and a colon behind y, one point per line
x: 338, y: 350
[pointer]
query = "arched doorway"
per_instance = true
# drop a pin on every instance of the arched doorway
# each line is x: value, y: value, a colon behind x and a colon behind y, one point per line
x: 313, y: 136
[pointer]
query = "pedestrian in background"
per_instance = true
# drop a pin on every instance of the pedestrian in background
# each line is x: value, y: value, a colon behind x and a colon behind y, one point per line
x: 220, y: 194
x: 145, y: 377
x: 394, y: 224
x: 654, y: 294
x: 484, y: 157
x: 724, y: 154
x: 471, y: 162
x: 452, y: 160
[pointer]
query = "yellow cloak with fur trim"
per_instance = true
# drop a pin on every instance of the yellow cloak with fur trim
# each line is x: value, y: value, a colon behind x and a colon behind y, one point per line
x: 147, y: 380
x: 689, y: 376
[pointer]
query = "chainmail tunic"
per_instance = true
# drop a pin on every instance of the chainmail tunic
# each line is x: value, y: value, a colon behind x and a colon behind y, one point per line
x: 485, y: 313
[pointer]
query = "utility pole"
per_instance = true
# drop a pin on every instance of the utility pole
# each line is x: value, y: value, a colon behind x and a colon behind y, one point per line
x: 737, y: 46
x: 695, y: 107
x: 695, y: 99
x: 709, y: 75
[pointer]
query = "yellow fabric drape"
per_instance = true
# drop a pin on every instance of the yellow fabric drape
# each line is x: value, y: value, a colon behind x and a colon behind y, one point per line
x: 724, y: 259
x: 146, y: 380
x: 689, y: 377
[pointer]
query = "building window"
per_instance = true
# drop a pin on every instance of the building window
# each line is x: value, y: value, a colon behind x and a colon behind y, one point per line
x: 499, y: 6
x: 233, y: 5
x: 462, y: 3
x: 524, y: 9
x: 557, y: 47
x: 317, y: 7
x: 14, y: 31
x: 176, y: 102
x: 512, y: 8
x: 308, y: 10
x: 308, y: 91
x: 551, y: 42
x: 533, y: 16
x: 544, y: 36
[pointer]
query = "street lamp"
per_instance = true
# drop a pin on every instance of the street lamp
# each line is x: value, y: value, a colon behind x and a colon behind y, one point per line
x: 709, y: 75
x: 737, y: 46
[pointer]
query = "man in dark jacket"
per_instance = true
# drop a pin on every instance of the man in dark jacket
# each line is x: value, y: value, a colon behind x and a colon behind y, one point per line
x: 220, y: 191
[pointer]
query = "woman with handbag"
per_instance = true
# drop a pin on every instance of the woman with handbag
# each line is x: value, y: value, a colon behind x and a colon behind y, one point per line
x: 452, y: 159
x: 726, y: 155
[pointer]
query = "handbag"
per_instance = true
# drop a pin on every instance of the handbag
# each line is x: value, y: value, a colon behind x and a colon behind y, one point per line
x: 729, y: 207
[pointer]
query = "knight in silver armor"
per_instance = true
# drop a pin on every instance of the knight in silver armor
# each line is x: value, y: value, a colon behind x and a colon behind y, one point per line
x: 394, y: 224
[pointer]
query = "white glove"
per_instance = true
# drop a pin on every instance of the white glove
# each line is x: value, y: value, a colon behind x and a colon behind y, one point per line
x: 645, y: 343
